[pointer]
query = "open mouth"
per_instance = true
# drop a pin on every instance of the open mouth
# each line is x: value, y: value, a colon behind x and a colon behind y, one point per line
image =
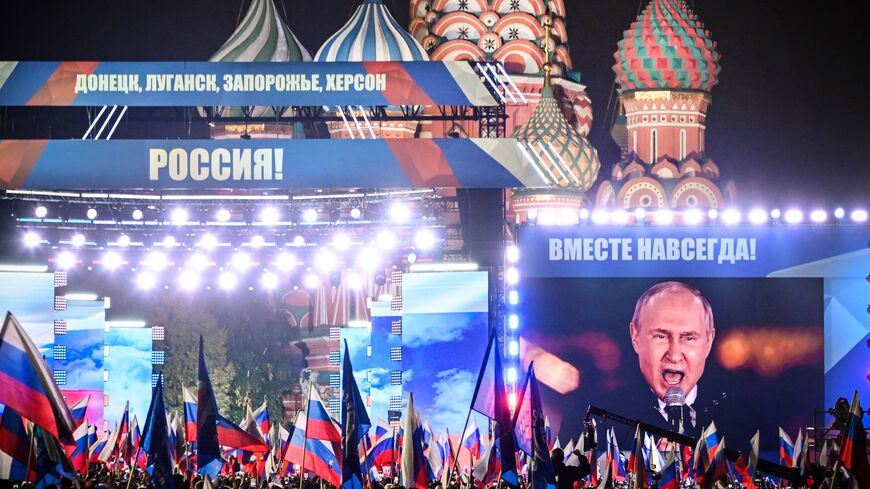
x: 673, y: 377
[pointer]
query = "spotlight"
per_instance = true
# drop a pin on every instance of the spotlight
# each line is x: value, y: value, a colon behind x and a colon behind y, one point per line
x: 775, y: 214
x: 123, y: 241
x: 178, y: 216
x: 412, y: 258
x: 513, y: 321
x: 285, y: 262
x: 325, y: 260
x: 198, y: 262
x: 341, y: 241
x: 512, y: 374
x: 568, y: 217
x: 640, y: 214
x: 156, y: 260
x: 31, y: 239
x: 513, y: 297
x: 386, y: 240
x: 310, y: 215
x: 112, y: 260
x: 354, y: 281
x: 269, y: 281
x: 41, y: 212
x: 145, y: 280
x: 547, y: 217
x: 758, y: 216
x: 712, y: 214
x: 693, y: 217
x: 92, y: 214
x: 584, y: 213
x: 424, y: 239
x: 532, y: 214
x: 369, y: 259
x: 258, y: 241
x: 619, y: 216
x: 664, y: 217
x: 512, y: 254
x: 859, y: 216
x: 512, y: 276
x: 241, y: 261
x: 818, y: 216
x: 65, y: 260
x: 137, y: 214
x: 355, y: 213
x: 78, y: 240
x: 188, y: 280
x: 400, y: 212
x: 227, y: 281
x: 600, y: 216
x: 839, y: 213
x: 731, y: 216
x: 169, y: 242
x: 298, y: 241
x: 513, y: 348
x: 270, y: 215
x: 223, y: 215
x: 208, y: 241
x: 794, y: 216
x: 311, y: 281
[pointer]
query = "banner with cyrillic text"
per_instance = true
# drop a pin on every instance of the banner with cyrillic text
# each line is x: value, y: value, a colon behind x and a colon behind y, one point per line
x: 189, y: 84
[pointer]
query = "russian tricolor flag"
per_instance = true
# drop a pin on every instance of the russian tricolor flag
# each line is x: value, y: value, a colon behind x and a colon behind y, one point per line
x: 231, y: 436
x: 189, y: 415
x: 79, y: 409
x: 382, y: 452
x: 78, y: 453
x: 261, y: 417
x: 15, y: 443
x: 320, y: 455
x: 786, y: 449
x: 26, y: 384
x: 320, y: 425
x: 471, y: 440
x: 670, y: 479
x: 712, y: 439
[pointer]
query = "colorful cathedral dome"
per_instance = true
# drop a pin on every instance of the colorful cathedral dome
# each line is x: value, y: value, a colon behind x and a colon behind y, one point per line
x: 667, y: 47
x: 371, y: 34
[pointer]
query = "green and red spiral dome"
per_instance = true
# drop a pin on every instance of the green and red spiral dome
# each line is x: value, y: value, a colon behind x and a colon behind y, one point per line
x: 667, y: 48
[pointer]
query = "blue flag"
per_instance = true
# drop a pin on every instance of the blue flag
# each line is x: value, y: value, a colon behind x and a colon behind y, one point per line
x: 156, y: 443
x: 532, y: 434
x: 208, y: 457
x: 355, y: 424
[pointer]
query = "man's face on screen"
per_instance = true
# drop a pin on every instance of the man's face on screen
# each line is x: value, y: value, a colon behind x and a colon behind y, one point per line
x: 672, y: 341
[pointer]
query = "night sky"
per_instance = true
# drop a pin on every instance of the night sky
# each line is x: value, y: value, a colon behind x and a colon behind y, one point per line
x: 789, y: 117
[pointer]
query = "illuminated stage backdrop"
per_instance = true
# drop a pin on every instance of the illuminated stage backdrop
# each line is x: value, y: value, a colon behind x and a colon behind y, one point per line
x: 30, y: 297
x: 128, y: 367
x: 83, y: 355
x: 771, y: 289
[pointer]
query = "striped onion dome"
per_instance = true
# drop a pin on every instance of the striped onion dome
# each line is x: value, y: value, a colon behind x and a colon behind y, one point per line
x: 262, y: 36
x: 371, y: 34
x: 564, y: 157
x: 667, y: 47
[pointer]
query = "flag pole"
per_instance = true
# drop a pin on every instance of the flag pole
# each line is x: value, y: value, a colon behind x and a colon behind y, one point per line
x: 305, y: 437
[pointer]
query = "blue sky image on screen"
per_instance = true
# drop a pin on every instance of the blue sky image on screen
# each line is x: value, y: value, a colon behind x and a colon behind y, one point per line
x: 444, y: 333
x: 129, y: 367
x: 30, y: 297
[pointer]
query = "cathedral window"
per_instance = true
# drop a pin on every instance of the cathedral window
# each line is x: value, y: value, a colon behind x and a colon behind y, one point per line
x: 653, y: 145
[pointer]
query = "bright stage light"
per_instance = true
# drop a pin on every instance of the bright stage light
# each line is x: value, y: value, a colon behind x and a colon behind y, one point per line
x: 208, y: 241
x: 65, y: 260
x: 41, y: 212
x: 513, y: 297
x: 31, y: 239
x: 859, y: 216
x: 298, y: 240
x: 640, y: 214
x: 325, y: 260
x: 78, y: 240
x: 794, y: 216
x: 424, y: 239
x: 269, y: 281
x: 386, y: 240
x: 258, y: 241
x: 169, y: 242
x: 188, y: 280
x: 112, y: 260
x: 400, y: 212
x: 145, y: 280
x: 412, y: 257
x: 179, y: 216
x: 512, y: 276
x: 341, y: 241
x: 513, y: 348
x: 693, y: 217
x: 310, y: 215
x: 285, y: 262
x: 839, y: 213
x: 137, y: 214
x: 584, y: 213
x: 270, y: 215
x: 775, y: 214
x: 513, y: 321
x: 512, y: 254
x: 712, y: 214
x: 512, y: 375
x: 369, y: 259
x: 532, y: 214
x: 223, y: 215
x: 664, y: 217
x: 758, y: 216
x: 512, y: 400
x: 731, y: 216
x: 818, y: 216
x: 311, y: 281
x: 355, y: 213
x: 619, y: 216
x: 198, y: 262
x: 354, y: 281
x: 600, y: 216
x: 568, y: 217
x: 227, y: 281
x: 241, y: 261
x: 547, y: 217
x: 123, y: 241
x: 92, y: 214
x: 156, y: 260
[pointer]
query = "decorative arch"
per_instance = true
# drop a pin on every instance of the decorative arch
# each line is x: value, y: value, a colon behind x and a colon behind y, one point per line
x: 700, y: 191
x: 563, y: 56
x: 534, y: 7
x: 520, y: 57
x: 606, y: 195
x: 690, y: 168
x: 710, y: 169
x: 450, y: 26
x: 447, y: 6
x: 634, y: 169
x: 458, y: 50
x: 642, y: 192
x: 526, y: 26
x: 419, y: 29
x: 559, y: 30
x: 665, y: 169
x: 418, y: 8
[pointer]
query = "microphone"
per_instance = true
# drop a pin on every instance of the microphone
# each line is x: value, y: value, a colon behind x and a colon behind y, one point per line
x: 675, y: 399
